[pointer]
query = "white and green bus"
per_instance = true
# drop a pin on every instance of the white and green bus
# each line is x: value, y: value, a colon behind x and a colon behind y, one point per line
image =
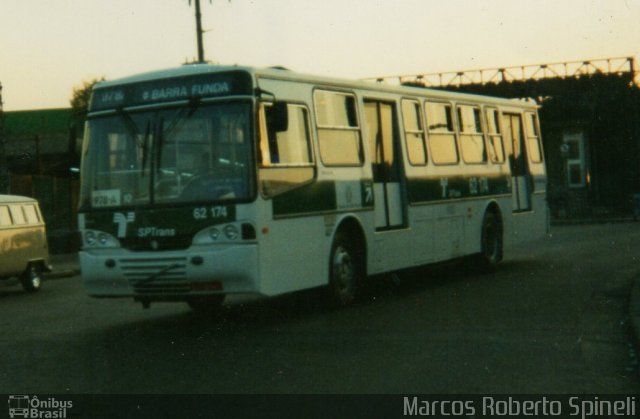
x: 204, y: 181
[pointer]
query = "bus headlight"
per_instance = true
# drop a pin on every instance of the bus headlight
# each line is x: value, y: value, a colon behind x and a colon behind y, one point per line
x: 103, y: 239
x: 231, y: 231
x: 225, y: 234
x: 90, y: 238
x: 95, y: 239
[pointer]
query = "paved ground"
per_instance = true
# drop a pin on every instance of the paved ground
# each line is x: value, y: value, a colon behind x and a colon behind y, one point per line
x: 66, y: 265
x: 552, y: 319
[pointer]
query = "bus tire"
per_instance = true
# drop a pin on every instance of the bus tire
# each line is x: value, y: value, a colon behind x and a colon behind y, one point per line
x: 345, y: 271
x: 31, y: 278
x: 490, y: 243
x: 206, y: 305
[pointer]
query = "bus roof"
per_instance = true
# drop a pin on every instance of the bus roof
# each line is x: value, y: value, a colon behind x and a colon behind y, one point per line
x: 279, y: 73
x: 14, y: 199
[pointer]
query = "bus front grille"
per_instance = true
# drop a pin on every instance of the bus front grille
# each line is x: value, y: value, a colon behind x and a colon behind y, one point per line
x: 156, y: 275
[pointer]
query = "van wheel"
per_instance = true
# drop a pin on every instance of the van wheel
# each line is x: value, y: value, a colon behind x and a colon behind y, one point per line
x: 490, y: 243
x: 206, y: 305
x: 345, y: 271
x: 31, y: 278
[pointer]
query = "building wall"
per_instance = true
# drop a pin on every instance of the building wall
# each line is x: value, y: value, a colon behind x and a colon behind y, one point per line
x: 40, y: 150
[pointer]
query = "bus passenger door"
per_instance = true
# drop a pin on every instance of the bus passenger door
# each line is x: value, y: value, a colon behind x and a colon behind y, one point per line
x: 382, y: 137
x: 520, y: 176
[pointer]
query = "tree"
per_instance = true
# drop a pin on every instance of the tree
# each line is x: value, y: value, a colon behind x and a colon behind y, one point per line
x: 82, y: 95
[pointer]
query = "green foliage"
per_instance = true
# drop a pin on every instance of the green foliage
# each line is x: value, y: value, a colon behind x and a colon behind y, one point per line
x: 82, y: 95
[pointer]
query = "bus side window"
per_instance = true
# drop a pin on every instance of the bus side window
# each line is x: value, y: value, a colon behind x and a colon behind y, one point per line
x: 414, y: 132
x: 289, y: 146
x: 442, y: 137
x: 5, y: 217
x: 496, y: 149
x: 338, y: 130
x: 533, y: 137
x: 285, y: 149
x: 471, y: 137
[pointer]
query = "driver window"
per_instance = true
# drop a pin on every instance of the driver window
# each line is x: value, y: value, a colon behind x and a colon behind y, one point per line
x: 286, y: 157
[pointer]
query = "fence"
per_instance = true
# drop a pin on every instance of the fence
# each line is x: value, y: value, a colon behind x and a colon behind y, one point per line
x: 58, y: 198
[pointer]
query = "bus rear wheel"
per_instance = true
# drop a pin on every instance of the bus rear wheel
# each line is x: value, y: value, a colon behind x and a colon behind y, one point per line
x: 490, y: 243
x: 345, y: 271
x: 206, y: 305
x: 31, y: 278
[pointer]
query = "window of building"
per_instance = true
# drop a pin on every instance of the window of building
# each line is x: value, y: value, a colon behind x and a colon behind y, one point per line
x: 338, y: 129
x: 576, y: 162
x: 414, y: 132
x: 471, y: 137
x: 442, y: 137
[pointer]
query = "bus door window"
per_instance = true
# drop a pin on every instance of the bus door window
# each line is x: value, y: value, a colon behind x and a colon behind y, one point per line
x: 383, y: 142
x: 496, y: 149
x: 518, y: 162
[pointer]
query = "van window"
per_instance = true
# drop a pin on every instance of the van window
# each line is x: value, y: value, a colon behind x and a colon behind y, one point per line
x: 17, y: 214
x: 31, y: 214
x: 5, y: 218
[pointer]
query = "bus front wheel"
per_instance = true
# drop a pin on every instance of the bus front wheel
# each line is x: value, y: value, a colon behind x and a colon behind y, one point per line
x: 345, y: 271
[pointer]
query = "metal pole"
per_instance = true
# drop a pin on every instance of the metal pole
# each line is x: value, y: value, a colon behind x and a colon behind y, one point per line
x: 199, y: 32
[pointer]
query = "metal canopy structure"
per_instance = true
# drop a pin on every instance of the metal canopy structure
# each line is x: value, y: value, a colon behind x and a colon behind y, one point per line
x: 620, y: 66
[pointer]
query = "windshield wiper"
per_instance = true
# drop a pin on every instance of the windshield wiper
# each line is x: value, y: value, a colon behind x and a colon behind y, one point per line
x: 128, y: 122
x: 145, y: 146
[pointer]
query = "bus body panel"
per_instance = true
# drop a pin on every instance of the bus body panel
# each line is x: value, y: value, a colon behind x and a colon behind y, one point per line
x: 410, y: 213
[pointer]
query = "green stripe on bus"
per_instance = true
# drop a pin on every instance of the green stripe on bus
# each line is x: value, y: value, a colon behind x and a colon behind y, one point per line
x: 314, y: 197
x: 321, y: 197
x: 457, y: 187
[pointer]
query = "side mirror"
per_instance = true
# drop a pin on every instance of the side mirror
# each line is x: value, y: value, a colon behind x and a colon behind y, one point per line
x: 278, y: 116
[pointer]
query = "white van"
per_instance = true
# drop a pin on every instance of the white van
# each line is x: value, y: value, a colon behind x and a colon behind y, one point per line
x: 24, y: 252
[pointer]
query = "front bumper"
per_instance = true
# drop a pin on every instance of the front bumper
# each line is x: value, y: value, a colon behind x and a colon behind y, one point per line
x: 200, y: 270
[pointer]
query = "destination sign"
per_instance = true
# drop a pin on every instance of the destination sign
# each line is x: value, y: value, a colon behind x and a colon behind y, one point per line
x: 171, y: 89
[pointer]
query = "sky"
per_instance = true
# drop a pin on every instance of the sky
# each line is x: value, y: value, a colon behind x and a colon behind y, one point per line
x: 48, y: 47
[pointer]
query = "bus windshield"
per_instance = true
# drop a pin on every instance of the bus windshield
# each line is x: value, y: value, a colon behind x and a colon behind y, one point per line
x: 195, y: 153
